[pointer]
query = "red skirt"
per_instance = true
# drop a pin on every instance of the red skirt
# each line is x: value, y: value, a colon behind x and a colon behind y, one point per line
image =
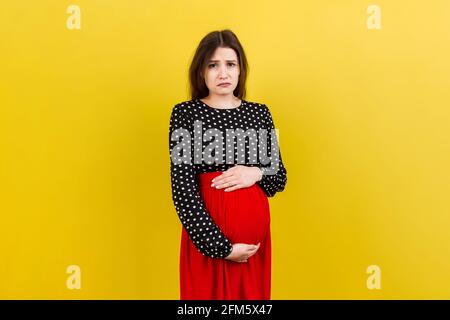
x: 243, y: 215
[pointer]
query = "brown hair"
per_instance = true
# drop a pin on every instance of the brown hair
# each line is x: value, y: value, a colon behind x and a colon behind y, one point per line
x: 213, y: 40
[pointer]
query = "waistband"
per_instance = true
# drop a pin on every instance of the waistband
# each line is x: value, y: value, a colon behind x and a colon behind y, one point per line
x: 205, y: 178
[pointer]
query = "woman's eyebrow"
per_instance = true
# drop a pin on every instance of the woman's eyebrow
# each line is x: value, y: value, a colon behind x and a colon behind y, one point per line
x: 219, y: 60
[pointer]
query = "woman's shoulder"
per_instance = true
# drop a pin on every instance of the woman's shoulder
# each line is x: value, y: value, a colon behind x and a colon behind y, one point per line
x: 184, y: 105
x: 184, y: 108
x: 255, y: 103
x: 258, y: 106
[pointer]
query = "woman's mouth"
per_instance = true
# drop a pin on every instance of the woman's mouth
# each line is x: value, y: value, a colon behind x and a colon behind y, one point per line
x: 224, y: 84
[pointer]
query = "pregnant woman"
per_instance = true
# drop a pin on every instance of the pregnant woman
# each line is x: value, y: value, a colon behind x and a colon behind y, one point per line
x: 225, y: 163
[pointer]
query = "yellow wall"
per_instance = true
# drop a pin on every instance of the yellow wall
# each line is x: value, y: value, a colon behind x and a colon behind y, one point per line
x: 363, y: 117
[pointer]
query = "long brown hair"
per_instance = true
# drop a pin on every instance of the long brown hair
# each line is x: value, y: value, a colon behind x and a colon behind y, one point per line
x: 213, y: 40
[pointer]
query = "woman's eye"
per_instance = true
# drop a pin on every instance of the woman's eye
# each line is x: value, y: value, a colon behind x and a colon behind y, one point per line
x: 214, y: 64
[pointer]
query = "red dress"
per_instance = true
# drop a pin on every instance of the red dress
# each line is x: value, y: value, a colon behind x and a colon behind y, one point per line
x: 243, y: 215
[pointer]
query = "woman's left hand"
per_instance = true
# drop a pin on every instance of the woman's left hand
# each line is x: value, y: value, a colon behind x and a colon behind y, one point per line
x: 237, y: 177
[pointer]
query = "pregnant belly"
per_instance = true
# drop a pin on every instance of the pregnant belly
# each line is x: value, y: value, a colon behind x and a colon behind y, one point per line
x: 243, y: 215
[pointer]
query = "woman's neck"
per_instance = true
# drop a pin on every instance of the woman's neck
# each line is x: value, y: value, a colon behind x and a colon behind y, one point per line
x: 222, y: 102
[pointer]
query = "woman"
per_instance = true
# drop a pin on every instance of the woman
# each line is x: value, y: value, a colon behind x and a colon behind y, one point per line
x: 220, y: 183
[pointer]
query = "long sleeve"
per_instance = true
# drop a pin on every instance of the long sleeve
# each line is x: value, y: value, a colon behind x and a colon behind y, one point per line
x: 275, y: 179
x: 203, y: 232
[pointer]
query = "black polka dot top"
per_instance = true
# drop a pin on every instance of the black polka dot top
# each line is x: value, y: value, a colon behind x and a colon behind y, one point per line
x: 196, y: 115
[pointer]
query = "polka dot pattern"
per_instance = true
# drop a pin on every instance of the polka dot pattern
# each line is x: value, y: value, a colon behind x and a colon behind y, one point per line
x: 203, y: 232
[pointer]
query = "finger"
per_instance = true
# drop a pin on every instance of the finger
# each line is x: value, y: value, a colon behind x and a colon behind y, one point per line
x: 237, y: 186
x: 226, y: 183
x: 220, y: 178
x: 254, y: 248
x: 229, y: 184
x: 253, y: 253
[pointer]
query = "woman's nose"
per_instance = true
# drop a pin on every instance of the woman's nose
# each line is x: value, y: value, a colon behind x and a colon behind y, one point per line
x: 223, y: 71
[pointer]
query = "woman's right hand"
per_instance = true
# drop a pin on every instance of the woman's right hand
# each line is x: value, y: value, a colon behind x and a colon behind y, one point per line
x: 242, y: 251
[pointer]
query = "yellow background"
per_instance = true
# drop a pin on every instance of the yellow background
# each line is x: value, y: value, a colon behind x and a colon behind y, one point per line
x: 363, y: 117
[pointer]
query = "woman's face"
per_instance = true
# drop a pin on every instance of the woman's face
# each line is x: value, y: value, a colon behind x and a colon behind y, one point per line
x: 222, y: 68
